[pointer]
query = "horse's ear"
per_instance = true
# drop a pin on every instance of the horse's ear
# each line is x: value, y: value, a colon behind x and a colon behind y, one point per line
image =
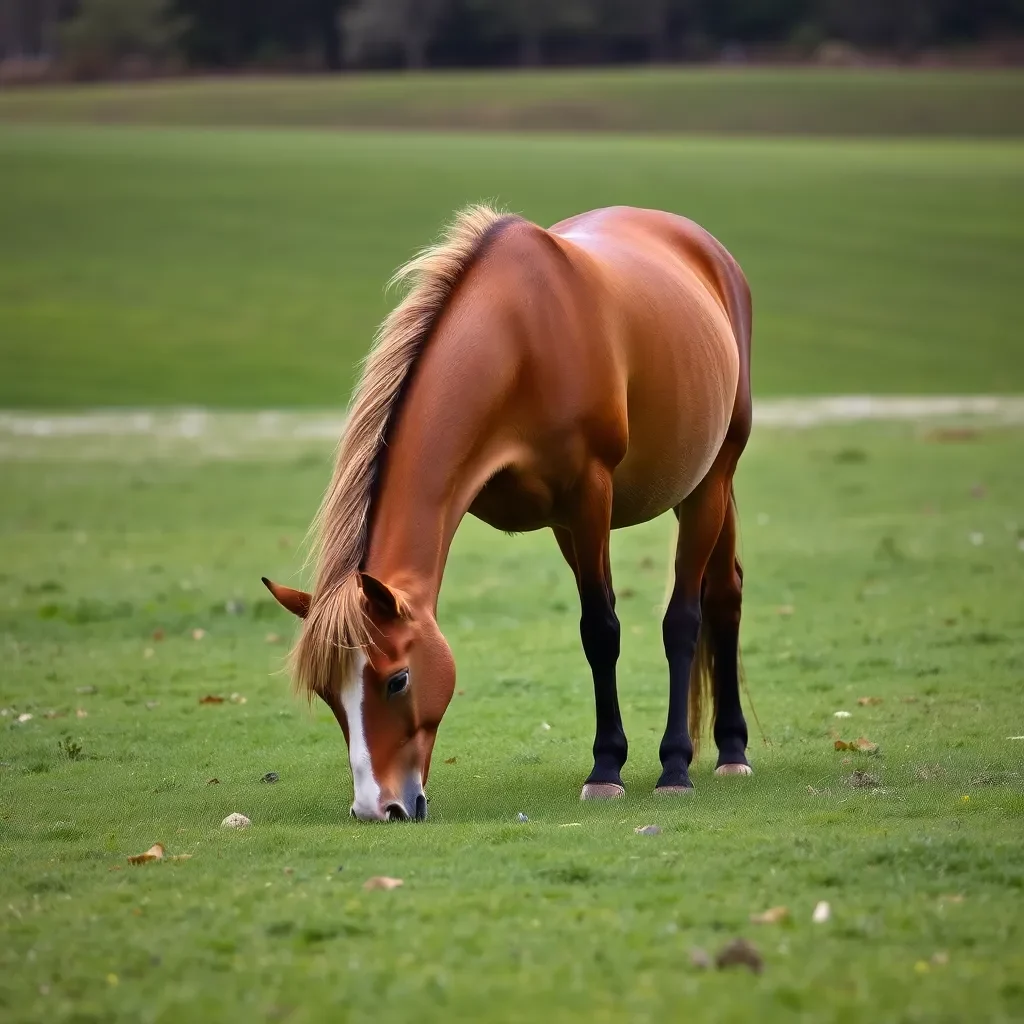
x: 381, y: 597
x: 296, y: 601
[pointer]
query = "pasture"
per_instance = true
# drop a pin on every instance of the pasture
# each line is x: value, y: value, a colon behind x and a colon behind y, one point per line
x: 242, y: 268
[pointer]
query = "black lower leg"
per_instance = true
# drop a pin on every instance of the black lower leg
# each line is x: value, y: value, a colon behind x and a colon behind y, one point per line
x: 680, y: 629
x: 722, y: 617
x: 599, y: 631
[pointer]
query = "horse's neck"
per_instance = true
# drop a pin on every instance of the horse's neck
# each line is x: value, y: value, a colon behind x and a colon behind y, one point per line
x: 438, y: 458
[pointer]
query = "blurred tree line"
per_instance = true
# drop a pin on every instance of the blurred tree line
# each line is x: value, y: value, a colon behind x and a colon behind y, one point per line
x: 97, y: 37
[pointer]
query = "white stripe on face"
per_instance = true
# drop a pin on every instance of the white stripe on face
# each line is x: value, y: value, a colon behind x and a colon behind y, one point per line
x: 367, y: 793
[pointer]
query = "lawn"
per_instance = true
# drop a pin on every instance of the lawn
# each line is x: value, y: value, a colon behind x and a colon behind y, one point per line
x: 246, y: 268
x: 762, y: 101
x: 879, y: 563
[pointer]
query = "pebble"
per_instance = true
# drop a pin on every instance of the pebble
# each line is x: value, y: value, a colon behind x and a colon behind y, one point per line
x: 236, y: 820
x: 520, y: 817
x: 822, y: 912
x: 648, y: 830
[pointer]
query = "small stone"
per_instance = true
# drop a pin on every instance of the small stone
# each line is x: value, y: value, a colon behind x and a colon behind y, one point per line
x: 236, y: 820
x: 81, y: 713
x: 213, y: 782
x: 23, y: 718
x: 822, y: 912
x: 648, y: 830
x: 270, y: 777
x: 841, y: 714
x: 520, y: 817
x: 545, y: 726
x: 701, y: 959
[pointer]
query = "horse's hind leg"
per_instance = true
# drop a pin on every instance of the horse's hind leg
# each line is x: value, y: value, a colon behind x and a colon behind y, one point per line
x: 701, y: 517
x: 721, y: 604
x: 585, y: 547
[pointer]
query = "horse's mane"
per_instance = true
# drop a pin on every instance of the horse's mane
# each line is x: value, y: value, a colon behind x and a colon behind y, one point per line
x: 336, y: 626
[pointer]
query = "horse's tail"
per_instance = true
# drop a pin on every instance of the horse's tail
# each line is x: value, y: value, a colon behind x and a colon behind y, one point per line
x: 702, y: 671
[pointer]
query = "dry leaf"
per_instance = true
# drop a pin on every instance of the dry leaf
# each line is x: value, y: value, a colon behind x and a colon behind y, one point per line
x: 155, y: 852
x: 648, y: 830
x: 461, y: 693
x: 236, y: 820
x: 23, y: 718
x: 785, y: 610
x: 158, y: 634
x: 198, y: 634
x: 865, y: 702
x: 952, y: 898
x: 940, y: 959
x: 949, y: 434
x: 213, y: 782
x: 822, y: 912
x: 288, y: 871
x: 382, y: 882
x: 237, y: 698
x: 771, y: 916
x: 54, y: 714
x: 81, y: 713
x: 740, y: 953
x: 862, y: 743
x: 211, y: 699
x: 450, y: 760
x: 841, y: 714
x: 181, y: 856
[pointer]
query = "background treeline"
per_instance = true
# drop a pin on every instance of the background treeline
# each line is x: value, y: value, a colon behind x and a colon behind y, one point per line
x: 104, y: 37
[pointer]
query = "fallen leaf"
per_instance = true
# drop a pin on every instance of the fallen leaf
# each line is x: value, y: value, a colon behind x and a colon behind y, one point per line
x: 545, y: 726
x: 865, y: 702
x: 841, y: 714
x: 26, y: 717
x: 522, y: 818
x: 785, y: 610
x: 940, y: 959
x: 198, y: 634
x: 211, y: 699
x: 158, y: 634
x: 81, y: 713
x: 648, y: 830
x: 740, y: 953
x: 54, y: 714
x: 382, y: 882
x: 822, y: 912
x: 450, y: 760
x: 862, y: 743
x: 700, y: 959
x: 236, y: 820
x: 155, y: 852
x: 213, y: 782
x: 270, y: 777
x: 955, y: 897
x: 771, y: 916
x: 461, y: 693
x: 950, y: 434
x: 861, y: 780
x: 289, y: 871
x: 237, y: 698
x: 273, y: 638
x: 181, y: 856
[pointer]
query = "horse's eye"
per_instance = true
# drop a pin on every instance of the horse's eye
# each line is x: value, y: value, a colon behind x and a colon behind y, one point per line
x: 398, y: 683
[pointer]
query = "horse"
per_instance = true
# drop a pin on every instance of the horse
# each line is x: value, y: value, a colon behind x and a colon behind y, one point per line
x: 582, y: 378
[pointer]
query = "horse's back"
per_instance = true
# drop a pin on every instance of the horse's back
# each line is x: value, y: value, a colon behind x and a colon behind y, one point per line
x: 675, y: 310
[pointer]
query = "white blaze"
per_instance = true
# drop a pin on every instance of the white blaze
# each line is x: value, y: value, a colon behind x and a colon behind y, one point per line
x: 367, y: 793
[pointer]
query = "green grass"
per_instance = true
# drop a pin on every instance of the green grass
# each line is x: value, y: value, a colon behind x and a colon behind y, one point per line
x: 778, y: 101
x: 864, y: 532
x: 246, y: 268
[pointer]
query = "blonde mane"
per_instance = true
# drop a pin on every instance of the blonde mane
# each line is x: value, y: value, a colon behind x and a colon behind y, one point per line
x: 336, y: 627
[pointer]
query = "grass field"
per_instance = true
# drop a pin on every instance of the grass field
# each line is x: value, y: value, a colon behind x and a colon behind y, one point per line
x: 762, y: 101
x: 863, y: 579
x: 147, y: 260
x: 241, y: 268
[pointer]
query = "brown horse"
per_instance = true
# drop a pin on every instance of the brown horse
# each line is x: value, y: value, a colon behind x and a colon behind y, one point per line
x: 583, y: 378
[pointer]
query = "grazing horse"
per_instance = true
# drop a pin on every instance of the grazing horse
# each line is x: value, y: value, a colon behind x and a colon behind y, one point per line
x: 583, y: 378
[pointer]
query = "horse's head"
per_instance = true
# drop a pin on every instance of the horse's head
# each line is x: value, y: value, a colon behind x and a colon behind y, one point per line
x: 388, y: 693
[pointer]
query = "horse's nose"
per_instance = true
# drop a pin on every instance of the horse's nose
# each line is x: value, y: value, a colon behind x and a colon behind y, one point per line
x: 394, y: 811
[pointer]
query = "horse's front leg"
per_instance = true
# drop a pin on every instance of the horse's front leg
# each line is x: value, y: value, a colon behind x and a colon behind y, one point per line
x: 585, y: 547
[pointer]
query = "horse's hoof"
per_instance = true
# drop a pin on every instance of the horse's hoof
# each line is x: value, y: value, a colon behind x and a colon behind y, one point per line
x: 602, y: 791
x: 673, y: 790
x: 734, y: 769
